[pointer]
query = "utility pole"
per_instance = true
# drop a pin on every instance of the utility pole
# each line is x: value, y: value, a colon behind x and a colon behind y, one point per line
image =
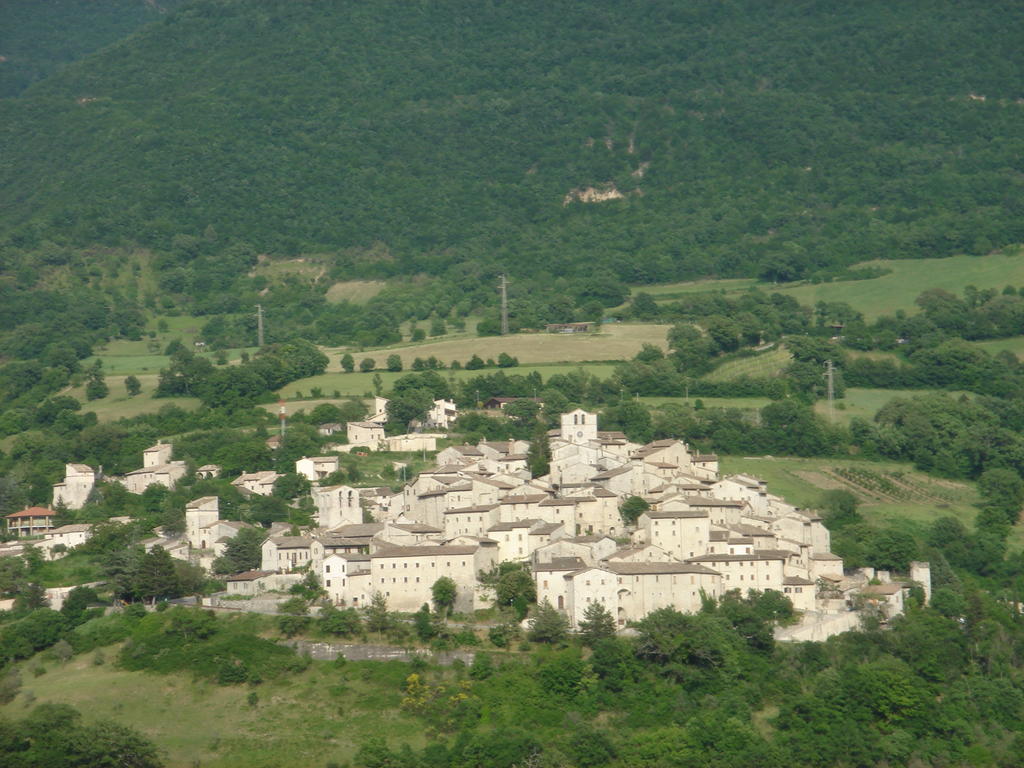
x: 504, y: 306
x: 830, y: 388
x: 259, y: 325
x: 283, y: 416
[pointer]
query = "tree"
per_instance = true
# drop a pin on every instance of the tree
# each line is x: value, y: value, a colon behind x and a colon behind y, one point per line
x: 341, y: 623
x: 538, y: 456
x: 548, y: 625
x: 1002, y: 490
x: 513, y: 586
x: 474, y: 363
x: 443, y: 593
x: 132, y: 385
x: 377, y: 617
x: 243, y: 552
x: 367, y: 364
x: 506, y: 360
x: 157, y: 578
x: 96, y: 388
x: 410, y: 404
x: 394, y: 363
x: 348, y: 363
x: 632, y: 508
x: 294, y: 616
x: 438, y: 327
x: 597, y: 624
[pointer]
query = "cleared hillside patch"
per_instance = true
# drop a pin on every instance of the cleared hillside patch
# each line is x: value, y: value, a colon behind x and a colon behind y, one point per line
x: 118, y: 405
x: 313, y: 717
x: 888, y: 491
x: 762, y: 366
x: 359, y: 384
x: 613, y: 342
x: 865, y: 403
x: 355, y: 291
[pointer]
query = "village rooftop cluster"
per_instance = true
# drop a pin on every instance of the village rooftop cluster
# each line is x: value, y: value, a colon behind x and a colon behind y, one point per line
x: 702, y: 534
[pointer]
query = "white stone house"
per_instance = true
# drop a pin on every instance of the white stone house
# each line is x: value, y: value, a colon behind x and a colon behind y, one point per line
x: 405, y: 575
x: 259, y: 483
x: 288, y: 553
x: 73, y: 492
x: 365, y: 434
x: 337, y: 505
x: 442, y: 414
x: 345, y: 578
x: 316, y: 468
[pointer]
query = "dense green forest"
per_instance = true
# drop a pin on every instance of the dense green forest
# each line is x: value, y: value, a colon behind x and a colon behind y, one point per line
x: 744, y: 137
x: 37, y: 38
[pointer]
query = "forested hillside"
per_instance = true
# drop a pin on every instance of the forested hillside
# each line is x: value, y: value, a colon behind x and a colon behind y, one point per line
x: 731, y: 138
x: 38, y: 37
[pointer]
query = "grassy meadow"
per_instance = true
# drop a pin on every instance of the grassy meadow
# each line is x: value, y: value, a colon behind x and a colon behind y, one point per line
x: 883, y: 295
x: 359, y: 384
x: 889, y: 492
x: 865, y: 403
x: 764, y: 365
x: 317, y: 716
x: 614, y: 342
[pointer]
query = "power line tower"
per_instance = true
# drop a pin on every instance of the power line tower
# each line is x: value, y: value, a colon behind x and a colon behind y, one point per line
x: 259, y: 325
x: 830, y: 388
x: 504, y: 306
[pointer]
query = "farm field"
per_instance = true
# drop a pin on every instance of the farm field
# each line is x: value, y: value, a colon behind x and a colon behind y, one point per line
x: 888, y: 491
x: 614, y: 342
x: 1013, y: 344
x: 743, y: 403
x: 883, y: 295
x: 865, y: 403
x: 314, y: 717
x: 360, y: 384
x: 117, y: 405
x: 354, y: 291
x: 764, y: 365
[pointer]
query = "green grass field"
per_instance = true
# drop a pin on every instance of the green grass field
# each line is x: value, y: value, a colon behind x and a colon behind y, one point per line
x: 361, y: 384
x: 118, y: 405
x: 764, y: 365
x: 312, y: 718
x: 354, y: 291
x: 865, y: 403
x: 614, y: 342
x: 1013, y: 344
x: 883, y: 295
x: 803, y: 481
x: 743, y: 403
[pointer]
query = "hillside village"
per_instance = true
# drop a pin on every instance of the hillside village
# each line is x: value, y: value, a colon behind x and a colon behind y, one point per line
x: 698, y: 534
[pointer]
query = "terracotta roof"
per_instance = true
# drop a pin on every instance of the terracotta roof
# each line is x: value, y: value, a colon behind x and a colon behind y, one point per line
x: 32, y: 512
x: 464, y: 510
x: 72, y: 528
x: 561, y: 564
x: 423, y: 551
x: 881, y: 589
x: 636, y: 569
x: 797, y: 581
x: 248, y: 576
x: 545, y: 530
x: 512, y: 526
x: 678, y: 514
x: 357, y: 530
x: 291, y: 542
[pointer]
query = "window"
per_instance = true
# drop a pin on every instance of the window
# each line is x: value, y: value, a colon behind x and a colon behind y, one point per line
x: 327, y: 569
x: 328, y: 582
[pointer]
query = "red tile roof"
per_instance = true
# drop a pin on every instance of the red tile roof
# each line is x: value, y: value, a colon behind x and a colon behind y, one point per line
x: 33, y: 512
